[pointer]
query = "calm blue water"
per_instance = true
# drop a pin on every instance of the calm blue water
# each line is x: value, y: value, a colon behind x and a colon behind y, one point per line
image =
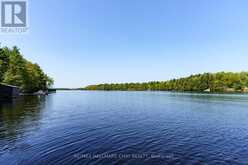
x: 83, y: 127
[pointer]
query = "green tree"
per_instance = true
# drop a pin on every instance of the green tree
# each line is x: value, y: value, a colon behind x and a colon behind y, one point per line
x: 15, y: 70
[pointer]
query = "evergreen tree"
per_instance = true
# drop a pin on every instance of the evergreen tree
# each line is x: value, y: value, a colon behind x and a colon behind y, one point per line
x: 15, y: 70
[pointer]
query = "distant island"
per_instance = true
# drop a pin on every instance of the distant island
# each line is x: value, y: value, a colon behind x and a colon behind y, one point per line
x: 17, y: 71
x: 29, y: 77
x: 207, y: 82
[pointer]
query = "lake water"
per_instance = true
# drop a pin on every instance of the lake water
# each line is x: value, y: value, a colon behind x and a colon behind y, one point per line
x: 94, y: 127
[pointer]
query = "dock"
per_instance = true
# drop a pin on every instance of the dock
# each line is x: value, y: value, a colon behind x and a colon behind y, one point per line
x: 9, y: 91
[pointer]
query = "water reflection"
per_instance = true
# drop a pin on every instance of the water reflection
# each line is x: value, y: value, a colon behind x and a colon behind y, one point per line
x: 210, y: 97
x: 178, y: 128
x: 20, y: 114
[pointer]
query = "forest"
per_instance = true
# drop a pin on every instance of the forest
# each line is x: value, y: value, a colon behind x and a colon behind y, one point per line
x: 16, y: 70
x: 207, y: 82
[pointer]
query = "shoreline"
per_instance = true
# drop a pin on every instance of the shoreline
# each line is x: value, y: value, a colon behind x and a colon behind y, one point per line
x: 193, y: 92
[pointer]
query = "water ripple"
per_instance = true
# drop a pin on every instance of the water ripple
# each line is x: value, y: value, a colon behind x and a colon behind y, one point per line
x: 125, y: 128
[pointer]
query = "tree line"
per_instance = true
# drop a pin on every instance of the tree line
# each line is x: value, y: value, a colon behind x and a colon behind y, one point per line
x: 16, y: 70
x: 209, y: 82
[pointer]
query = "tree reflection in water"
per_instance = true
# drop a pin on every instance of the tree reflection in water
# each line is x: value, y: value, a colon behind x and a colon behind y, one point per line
x: 20, y: 115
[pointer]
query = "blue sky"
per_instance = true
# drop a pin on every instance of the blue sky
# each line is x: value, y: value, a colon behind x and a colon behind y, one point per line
x: 94, y: 41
